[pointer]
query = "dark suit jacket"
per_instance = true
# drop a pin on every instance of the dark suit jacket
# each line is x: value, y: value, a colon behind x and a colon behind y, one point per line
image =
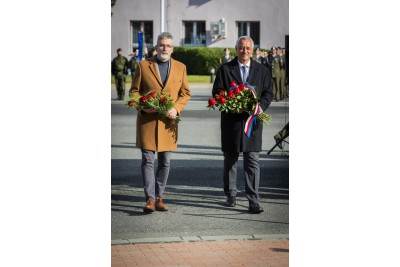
x: 232, y: 125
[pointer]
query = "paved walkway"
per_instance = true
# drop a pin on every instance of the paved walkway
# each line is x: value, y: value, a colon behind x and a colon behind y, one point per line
x: 198, y: 230
x: 264, y: 253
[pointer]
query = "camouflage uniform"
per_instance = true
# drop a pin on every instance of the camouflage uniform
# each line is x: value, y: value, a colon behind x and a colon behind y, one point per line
x: 119, y: 68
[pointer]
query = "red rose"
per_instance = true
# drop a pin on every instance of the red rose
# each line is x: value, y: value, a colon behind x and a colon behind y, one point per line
x: 211, y: 102
x: 163, y: 100
x: 221, y: 100
x: 152, y: 94
x: 241, y: 87
x: 131, y: 103
x: 236, y: 90
x: 231, y: 94
x: 233, y: 83
x: 221, y: 92
x: 143, y: 99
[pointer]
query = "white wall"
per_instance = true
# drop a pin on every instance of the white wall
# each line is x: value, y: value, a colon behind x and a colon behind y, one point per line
x: 272, y: 14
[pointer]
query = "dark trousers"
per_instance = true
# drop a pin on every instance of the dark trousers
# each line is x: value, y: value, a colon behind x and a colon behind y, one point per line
x: 251, y: 167
x: 276, y: 88
x: 154, y: 186
x: 120, y: 85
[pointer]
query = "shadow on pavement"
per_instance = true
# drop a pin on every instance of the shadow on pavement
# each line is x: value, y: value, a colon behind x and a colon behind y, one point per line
x: 206, y: 173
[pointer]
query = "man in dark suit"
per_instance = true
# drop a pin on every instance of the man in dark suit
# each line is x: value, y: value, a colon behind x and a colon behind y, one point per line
x: 243, y: 69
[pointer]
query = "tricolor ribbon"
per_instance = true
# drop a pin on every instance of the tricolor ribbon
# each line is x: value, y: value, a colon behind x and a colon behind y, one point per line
x: 248, y: 126
x: 251, y: 120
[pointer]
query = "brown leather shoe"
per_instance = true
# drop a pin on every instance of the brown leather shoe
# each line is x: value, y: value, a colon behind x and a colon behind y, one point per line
x: 160, y: 206
x: 150, y: 206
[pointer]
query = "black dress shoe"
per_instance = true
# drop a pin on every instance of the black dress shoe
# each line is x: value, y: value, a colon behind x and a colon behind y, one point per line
x: 230, y: 202
x: 255, y: 208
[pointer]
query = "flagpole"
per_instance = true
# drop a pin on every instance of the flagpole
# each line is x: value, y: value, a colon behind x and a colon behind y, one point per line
x: 162, y: 15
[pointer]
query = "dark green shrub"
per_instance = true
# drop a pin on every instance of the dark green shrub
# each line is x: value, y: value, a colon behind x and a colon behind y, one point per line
x: 199, y: 60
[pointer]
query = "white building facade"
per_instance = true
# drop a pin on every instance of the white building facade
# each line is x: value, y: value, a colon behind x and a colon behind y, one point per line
x: 211, y: 23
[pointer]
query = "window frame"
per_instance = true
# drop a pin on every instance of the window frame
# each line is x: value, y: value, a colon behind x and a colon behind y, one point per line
x: 248, y: 30
x: 194, y: 30
x: 141, y: 28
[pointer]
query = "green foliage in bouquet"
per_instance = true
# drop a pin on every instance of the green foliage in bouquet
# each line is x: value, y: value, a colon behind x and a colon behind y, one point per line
x: 161, y: 102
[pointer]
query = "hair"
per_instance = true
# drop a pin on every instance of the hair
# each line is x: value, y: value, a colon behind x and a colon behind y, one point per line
x: 226, y: 49
x: 164, y: 35
x: 119, y: 49
x: 244, y: 38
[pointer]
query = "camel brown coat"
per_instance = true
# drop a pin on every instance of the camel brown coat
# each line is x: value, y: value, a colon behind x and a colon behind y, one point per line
x: 156, y: 132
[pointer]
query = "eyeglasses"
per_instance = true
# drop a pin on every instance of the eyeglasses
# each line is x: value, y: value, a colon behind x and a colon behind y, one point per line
x: 165, y: 46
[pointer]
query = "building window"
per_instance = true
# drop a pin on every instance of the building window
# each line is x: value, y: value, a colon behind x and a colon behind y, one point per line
x: 249, y: 28
x: 195, y: 33
x: 144, y: 26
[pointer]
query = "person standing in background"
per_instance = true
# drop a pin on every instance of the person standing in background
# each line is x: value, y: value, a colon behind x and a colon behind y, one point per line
x: 119, y: 68
x: 133, y: 62
x: 257, y: 57
x: 265, y: 60
x: 275, y: 73
x: 281, y: 79
x: 286, y: 82
x: 227, y: 57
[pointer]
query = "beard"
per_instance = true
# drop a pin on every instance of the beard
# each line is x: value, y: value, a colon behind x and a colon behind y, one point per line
x: 163, y: 57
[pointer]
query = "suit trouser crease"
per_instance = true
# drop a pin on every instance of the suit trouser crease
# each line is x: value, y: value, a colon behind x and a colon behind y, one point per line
x: 154, y: 185
x: 251, y: 168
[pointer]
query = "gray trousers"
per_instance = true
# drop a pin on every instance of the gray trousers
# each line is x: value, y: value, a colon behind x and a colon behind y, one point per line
x: 251, y: 167
x: 154, y: 186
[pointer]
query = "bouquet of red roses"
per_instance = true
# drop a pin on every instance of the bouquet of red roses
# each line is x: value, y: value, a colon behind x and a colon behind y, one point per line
x: 161, y: 102
x: 239, y: 98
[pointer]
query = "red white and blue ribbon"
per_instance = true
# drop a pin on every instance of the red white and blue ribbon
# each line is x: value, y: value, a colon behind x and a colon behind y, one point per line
x: 251, y: 120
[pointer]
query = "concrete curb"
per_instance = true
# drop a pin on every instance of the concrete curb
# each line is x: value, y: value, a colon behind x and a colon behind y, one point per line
x: 134, y: 241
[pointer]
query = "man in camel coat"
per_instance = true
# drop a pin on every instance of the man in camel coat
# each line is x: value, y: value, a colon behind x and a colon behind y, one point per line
x: 156, y: 132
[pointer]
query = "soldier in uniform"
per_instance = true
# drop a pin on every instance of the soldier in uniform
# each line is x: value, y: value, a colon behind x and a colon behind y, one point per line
x: 133, y: 62
x: 119, y: 68
x: 257, y: 57
x: 275, y: 67
x: 265, y: 60
x: 281, y: 80
x: 286, y: 82
x: 226, y: 58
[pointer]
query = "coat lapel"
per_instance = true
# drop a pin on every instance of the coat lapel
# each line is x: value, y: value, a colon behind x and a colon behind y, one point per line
x: 154, y: 69
x: 253, y: 73
x: 172, y: 71
x: 235, y: 72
